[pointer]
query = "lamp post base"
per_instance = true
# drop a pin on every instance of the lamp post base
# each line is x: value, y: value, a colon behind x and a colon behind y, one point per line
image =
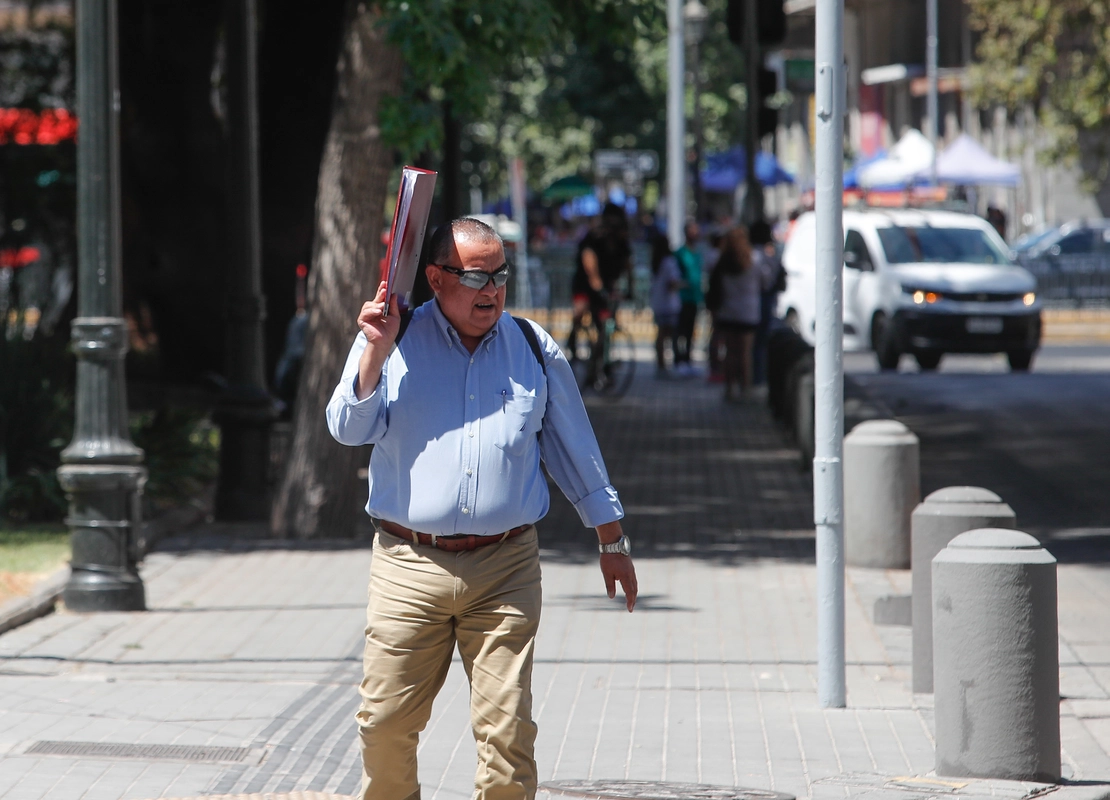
x: 104, y: 516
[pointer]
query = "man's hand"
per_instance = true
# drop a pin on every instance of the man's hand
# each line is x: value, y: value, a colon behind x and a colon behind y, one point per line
x: 617, y: 568
x: 381, y: 332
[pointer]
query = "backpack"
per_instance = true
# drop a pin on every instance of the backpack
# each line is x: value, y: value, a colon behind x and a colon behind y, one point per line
x: 525, y: 328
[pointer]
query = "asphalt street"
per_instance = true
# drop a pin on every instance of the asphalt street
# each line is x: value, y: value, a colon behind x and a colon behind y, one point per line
x: 1041, y: 437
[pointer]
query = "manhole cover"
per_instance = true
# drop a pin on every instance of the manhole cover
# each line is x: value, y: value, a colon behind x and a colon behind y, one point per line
x: 658, y: 790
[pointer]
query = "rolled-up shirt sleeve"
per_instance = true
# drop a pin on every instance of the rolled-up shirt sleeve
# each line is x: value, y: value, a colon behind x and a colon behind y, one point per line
x: 569, y: 447
x: 352, y: 421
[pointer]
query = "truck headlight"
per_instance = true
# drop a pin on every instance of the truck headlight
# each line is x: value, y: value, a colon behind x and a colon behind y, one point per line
x: 1029, y: 298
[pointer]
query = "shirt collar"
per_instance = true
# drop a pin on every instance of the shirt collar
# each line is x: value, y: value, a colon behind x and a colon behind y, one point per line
x: 447, y: 330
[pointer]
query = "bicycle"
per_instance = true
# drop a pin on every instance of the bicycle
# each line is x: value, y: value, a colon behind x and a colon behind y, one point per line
x: 602, y: 354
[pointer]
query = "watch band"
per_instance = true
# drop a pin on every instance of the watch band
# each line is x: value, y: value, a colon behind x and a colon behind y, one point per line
x: 623, y: 546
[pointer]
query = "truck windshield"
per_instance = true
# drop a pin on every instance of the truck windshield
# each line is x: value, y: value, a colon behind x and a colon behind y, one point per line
x: 905, y: 245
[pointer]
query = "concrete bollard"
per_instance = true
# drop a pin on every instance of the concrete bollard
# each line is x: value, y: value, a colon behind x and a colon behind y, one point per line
x: 996, y: 663
x: 943, y: 515
x: 881, y: 488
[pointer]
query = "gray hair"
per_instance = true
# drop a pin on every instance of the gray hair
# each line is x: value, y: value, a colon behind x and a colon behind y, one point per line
x: 465, y: 228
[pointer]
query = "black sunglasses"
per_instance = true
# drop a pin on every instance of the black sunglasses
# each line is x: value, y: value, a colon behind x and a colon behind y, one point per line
x: 477, y: 278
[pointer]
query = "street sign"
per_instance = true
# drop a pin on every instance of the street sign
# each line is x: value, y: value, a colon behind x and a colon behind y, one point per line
x: 625, y: 164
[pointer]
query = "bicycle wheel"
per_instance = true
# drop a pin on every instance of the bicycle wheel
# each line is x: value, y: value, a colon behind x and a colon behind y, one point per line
x: 619, y: 365
x: 580, y: 352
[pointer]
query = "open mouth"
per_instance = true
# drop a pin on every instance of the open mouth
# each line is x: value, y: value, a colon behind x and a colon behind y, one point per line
x: 485, y: 306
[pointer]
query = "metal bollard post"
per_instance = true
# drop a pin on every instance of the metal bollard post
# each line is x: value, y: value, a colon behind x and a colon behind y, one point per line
x: 996, y: 663
x: 943, y: 515
x: 881, y: 488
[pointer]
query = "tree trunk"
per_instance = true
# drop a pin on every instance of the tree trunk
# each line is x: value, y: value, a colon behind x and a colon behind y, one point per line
x: 320, y: 495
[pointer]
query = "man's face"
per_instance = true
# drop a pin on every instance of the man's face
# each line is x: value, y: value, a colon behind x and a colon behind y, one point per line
x: 692, y: 232
x: 471, y: 311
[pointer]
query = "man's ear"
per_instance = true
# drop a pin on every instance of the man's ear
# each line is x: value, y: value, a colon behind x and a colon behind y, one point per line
x: 435, y: 277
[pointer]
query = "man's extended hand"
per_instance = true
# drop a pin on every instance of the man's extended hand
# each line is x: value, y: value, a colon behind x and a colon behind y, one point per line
x: 616, y: 568
x: 380, y: 330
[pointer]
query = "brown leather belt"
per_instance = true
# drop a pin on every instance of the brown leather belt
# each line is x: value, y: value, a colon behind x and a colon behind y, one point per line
x: 451, y: 544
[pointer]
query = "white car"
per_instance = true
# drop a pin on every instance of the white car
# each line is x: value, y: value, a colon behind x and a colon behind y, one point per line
x: 924, y: 282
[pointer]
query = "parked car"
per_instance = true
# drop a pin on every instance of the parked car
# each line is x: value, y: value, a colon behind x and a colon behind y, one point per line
x: 919, y: 281
x: 1080, y: 237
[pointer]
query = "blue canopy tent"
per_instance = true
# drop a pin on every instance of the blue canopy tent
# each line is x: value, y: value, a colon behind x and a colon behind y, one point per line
x: 851, y: 175
x: 725, y: 171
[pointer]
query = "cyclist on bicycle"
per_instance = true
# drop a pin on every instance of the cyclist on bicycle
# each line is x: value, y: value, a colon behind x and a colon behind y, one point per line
x: 604, y: 255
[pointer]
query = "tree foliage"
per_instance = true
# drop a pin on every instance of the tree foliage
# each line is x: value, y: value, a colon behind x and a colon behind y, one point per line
x: 1055, y: 56
x: 549, y: 81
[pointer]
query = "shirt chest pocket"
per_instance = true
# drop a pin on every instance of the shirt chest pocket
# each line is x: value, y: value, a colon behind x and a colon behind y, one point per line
x: 518, y: 421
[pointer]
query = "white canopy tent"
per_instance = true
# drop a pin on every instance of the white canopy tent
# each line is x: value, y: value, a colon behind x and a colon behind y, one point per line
x: 905, y: 163
x: 966, y: 163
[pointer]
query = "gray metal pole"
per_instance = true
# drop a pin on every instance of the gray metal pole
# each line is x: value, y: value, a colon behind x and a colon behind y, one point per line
x: 518, y: 194
x: 676, y: 125
x: 931, y: 75
x: 245, y: 410
x: 101, y: 468
x: 828, y: 474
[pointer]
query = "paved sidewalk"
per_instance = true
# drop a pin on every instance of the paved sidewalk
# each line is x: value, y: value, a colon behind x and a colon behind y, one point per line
x: 249, y: 657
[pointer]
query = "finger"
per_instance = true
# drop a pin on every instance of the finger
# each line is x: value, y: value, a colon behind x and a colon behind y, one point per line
x: 630, y: 592
x: 394, y: 308
x: 379, y: 297
x: 610, y: 585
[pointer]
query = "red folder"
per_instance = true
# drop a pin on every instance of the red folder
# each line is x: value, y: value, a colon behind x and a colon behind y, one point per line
x: 406, y: 235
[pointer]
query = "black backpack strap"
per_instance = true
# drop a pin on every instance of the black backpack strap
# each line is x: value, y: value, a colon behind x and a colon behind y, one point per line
x: 406, y: 318
x: 524, y: 325
x: 533, y: 341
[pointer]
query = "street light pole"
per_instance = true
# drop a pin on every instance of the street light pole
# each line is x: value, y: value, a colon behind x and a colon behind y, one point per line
x: 932, y: 106
x: 695, y: 17
x: 828, y: 379
x: 244, y: 410
x: 101, y: 472
x: 753, y: 194
x: 676, y: 126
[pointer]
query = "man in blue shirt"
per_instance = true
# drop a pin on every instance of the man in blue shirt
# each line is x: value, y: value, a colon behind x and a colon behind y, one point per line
x: 461, y: 413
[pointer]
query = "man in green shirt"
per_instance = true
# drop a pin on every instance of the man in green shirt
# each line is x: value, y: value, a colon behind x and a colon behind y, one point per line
x: 689, y: 260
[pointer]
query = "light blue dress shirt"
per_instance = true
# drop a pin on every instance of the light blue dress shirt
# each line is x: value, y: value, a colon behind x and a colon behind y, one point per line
x: 455, y: 439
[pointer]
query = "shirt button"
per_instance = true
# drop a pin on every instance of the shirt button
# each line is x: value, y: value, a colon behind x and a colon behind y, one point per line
x: 470, y: 472
x: 472, y: 361
x: 471, y: 397
x: 466, y: 510
x: 471, y: 434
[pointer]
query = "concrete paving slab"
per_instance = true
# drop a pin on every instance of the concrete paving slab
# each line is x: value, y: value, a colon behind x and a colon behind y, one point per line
x: 713, y: 680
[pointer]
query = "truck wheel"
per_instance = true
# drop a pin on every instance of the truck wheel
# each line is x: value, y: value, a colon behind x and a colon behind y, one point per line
x: 882, y: 342
x: 928, y: 360
x: 1020, y: 360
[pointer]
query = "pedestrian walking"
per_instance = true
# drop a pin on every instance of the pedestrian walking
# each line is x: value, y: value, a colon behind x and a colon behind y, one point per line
x: 734, y: 298
x: 715, y: 347
x: 461, y: 412
x: 666, y: 304
x: 689, y: 259
x: 763, y: 248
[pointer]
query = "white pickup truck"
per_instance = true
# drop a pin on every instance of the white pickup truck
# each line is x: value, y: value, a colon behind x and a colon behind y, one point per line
x: 925, y: 282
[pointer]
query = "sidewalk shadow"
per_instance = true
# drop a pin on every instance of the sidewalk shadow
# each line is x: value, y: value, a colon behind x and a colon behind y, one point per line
x: 698, y: 478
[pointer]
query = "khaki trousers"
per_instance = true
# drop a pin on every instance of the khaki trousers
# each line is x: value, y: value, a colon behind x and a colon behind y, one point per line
x: 424, y: 602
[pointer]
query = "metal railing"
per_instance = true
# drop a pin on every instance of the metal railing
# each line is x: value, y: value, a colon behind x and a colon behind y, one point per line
x: 551, y: 270
x: 1071, y: 281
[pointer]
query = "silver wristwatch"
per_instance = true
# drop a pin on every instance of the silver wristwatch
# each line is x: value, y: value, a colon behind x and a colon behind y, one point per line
x: 622, y: 546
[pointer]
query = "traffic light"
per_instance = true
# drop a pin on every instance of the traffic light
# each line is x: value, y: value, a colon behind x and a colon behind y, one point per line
x: 771, y: 27
x: 768, y: 117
